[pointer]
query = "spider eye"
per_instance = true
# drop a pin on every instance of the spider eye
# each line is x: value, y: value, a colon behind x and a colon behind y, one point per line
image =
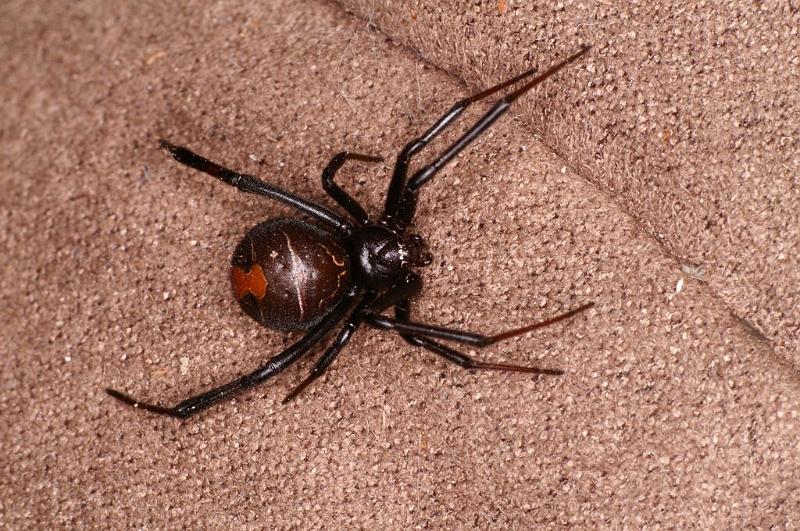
x: 425, y: 259
x: 420, y: 255
x: 393, y: 255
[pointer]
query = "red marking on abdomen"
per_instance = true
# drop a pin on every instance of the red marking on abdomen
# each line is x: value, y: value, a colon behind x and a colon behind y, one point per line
x: 252, y: 281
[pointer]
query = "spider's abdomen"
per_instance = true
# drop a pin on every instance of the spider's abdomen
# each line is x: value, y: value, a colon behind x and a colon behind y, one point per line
x: 287, y: 274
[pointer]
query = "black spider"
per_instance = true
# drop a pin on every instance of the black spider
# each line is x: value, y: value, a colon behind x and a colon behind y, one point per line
x: 291, y: 275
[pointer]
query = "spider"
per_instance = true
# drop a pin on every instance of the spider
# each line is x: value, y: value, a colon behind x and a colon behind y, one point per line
x: 292, y: 275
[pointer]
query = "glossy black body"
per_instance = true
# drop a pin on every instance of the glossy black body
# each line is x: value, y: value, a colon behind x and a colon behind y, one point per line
x: 289, y: 274
x: 380, y: 255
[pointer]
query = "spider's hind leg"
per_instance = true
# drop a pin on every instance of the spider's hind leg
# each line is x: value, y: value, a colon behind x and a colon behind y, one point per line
x: 278, y: 363
x: 332, y: 352
x: 254, y: 185
x: 369, y: 308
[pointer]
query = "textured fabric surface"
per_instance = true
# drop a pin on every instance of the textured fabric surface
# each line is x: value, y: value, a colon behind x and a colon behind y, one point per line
x: 688, y: 118
x: 662, y: 185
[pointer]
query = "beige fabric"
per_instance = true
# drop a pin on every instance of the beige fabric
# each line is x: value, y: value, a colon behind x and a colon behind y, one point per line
x: 689, y: 119
x: 668, y: 199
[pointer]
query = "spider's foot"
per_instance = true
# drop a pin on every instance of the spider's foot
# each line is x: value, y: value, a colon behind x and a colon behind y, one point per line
x: 173, y: 149
x: 299, y: 389
x: 541, y: 324
x: 129, y: 400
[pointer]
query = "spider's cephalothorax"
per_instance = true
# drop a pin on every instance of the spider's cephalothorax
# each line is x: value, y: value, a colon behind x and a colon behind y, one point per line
x: 290, y: 274
x: 381, y: 256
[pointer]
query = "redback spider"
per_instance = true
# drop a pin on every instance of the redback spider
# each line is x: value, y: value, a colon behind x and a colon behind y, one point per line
x: 289, y: 274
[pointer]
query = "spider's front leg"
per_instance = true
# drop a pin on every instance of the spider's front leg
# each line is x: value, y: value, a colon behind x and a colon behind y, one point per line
x: 418, y: 335
x: 401, y: 199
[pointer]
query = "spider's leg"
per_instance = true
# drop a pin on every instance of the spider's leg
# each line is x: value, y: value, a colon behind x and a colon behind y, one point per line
x: 462, y: 336
x: 407, y: 286
x: 336, y: 192
x: 278, y: 363
x: 345, y: 334
x: 401, y: 205
x: 402, y: 313
x: 398, y: 182
x: 253, y: 185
